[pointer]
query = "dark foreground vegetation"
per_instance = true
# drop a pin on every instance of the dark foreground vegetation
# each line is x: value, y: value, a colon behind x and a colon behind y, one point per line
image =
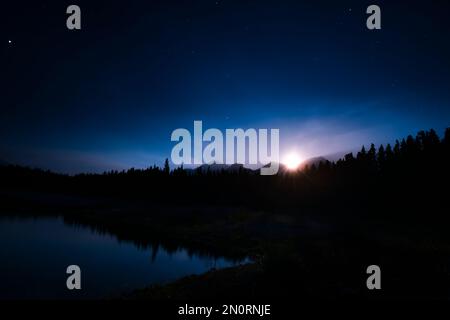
x: 311, y: 233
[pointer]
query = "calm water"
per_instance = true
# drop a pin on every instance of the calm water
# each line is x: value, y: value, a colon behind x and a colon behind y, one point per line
x: 34, y: 255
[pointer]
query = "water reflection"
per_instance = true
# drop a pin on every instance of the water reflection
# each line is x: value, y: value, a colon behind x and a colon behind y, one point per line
x: 36, y: 251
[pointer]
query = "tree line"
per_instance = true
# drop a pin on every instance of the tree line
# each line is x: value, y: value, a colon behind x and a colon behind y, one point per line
x: 410, y: 174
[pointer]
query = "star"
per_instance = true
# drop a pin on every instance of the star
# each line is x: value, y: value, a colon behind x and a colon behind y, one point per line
x: 9, y: 41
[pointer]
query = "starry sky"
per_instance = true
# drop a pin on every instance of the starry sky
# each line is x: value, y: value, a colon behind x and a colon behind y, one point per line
x: 109, y: 95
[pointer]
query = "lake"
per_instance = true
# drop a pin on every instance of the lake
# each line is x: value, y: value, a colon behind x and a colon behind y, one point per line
x: 35, y: 253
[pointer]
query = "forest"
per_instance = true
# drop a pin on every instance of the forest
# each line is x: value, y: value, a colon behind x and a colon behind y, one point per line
x: 313, y: 230
x: 410, y: 168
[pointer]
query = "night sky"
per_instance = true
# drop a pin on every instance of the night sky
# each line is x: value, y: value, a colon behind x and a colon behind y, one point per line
x: 109, y: 95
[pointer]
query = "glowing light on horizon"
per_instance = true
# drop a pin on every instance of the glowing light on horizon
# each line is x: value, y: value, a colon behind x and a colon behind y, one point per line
x: 292, y: 161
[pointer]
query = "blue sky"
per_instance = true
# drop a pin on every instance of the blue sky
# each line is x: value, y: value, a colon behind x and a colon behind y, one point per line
x: 109, y: 96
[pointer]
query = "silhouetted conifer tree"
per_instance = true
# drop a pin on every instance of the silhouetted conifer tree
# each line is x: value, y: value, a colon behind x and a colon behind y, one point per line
x: 166, y: 167
x: 389, y: 153
x: 371, y: 154
x: 361, y: 156
x: 381, y: 156
x: 397, y: 150
x: 447, y: 137
x: 349, y: 157
x: 432, y: 140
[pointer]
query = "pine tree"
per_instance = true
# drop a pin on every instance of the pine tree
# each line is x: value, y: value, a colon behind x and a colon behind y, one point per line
x: 371, y: 154
x: 432, y: 139
x: 447, y: 137
x: 362, y: 154
x: 166, y: 167
x: 349, y: 157
x: 397, y: 148
x: 381, y: 156
x: 403, y: 147
x: 389, y: 153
